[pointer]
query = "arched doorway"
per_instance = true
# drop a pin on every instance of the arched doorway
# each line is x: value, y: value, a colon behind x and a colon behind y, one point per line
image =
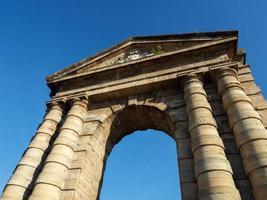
x: 142, y: 166
x: 115, y: 128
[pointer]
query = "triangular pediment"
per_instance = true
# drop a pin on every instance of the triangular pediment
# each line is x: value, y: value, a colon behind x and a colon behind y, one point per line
x: 137, y: 49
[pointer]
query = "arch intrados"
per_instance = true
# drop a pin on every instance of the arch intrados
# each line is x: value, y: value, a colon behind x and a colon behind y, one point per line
x: 130, y: 119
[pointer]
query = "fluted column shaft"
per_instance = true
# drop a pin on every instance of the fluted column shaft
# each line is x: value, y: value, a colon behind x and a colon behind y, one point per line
x: 21, y: 182
x: 212, y: 170
x: 250, y: 134
x: 51, y: 180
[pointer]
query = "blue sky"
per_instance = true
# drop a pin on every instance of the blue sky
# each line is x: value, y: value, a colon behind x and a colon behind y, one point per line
x: 38, y: 38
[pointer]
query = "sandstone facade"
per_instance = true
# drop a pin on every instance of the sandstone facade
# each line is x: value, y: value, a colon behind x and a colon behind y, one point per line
x: 195, y: 87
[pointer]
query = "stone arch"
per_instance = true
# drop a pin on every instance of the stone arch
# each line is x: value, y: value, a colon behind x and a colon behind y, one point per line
x: 137, y: 117
x: 124, y: 122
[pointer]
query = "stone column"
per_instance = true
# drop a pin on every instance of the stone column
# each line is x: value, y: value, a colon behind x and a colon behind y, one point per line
x: 250, y: 134
x: 51, y: 180
x: 21, y: 182
x: 212, y: 169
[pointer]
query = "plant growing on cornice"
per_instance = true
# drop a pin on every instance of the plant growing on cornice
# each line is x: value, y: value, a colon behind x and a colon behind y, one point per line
x: 157, y: 50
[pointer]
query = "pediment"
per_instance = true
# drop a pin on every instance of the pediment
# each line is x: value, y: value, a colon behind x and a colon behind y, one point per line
x: 136, y: 49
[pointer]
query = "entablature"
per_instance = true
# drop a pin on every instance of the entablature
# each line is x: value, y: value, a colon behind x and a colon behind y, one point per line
x: 145, y: 83
x: 140, y: 70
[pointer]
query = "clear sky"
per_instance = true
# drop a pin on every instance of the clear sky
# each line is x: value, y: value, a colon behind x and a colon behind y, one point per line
x: 38, y: 38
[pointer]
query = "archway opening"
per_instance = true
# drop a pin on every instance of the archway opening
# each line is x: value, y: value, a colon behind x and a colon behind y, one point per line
x: 142, y: 166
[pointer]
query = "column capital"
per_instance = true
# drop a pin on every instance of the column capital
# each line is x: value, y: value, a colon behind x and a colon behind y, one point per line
x: 192, y: 84
x: 192, y: 77
x: 56, y: 104
x: 226, y: 78
x: 216, y: 74
x: 83, y: 101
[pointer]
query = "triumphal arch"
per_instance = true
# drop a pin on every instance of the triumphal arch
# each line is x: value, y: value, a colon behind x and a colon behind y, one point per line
x: 195, y: 87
